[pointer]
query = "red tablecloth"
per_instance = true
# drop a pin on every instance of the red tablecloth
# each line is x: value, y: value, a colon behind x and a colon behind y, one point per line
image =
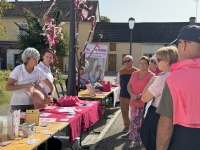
x: 82, y: 120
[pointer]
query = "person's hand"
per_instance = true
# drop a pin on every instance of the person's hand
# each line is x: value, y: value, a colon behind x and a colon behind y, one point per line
x: 30, y: 85
x: 133, y: 97
x: 49, y: 99
x: 139, y: 95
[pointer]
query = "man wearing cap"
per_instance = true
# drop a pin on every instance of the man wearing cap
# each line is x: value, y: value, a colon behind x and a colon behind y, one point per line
x: 123, y: 77
x: 179, y: 124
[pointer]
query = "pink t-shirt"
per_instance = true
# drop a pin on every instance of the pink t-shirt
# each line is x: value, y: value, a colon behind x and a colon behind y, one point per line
x: 138, y: 85
x: 156, y: 88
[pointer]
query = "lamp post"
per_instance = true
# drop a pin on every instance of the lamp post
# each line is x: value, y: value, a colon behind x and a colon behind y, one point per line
x: 71, y: 85
x: 131, y: 22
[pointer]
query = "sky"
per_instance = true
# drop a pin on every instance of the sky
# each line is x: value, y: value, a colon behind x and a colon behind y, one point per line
x: 149, y: 10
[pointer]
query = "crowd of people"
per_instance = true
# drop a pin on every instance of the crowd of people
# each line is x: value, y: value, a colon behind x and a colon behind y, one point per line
x: 161, y: 94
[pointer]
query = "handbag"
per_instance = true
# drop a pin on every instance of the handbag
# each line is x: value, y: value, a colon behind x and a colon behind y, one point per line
x: 106, y: 87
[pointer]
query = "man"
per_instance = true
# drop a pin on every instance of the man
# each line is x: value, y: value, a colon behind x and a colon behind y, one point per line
x: 123, y: 77
x: 179, y: 124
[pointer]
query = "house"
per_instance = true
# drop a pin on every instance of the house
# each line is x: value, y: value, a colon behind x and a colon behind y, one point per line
x: 9, y: 48
x: 147, y: 37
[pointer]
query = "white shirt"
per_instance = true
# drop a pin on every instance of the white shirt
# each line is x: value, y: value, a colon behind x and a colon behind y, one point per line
x: 22, y: 96
x: 47, y: 71
x: 156, y: 88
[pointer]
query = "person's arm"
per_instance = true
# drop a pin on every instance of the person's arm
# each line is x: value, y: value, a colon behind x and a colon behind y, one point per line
x: 129, y: 89
x: 10, y: 85
x: 146, y: 95
x: 51, y: 86
x: 165, y: 125
x: 164, y: 133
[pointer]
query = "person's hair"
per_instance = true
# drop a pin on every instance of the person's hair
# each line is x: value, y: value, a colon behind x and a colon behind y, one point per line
x: 128, y: 56
x: 145, y: 58
x: 28, y: 53
x: 168, y: 53
x: 48, y: 50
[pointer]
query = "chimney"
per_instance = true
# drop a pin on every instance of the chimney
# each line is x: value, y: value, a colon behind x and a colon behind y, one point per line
x: 192, y: 20
x: 16, y: 1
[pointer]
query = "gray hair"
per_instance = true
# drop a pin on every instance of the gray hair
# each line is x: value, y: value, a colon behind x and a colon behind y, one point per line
x: 128, y: 56
x: 29, y: 53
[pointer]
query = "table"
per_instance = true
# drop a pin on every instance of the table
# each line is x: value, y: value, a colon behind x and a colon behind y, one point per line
x: 116, y: 92
x: 82, y: 120
x: 20, y: 143
x: 84, y: 95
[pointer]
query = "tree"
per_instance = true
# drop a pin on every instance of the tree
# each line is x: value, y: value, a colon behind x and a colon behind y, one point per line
x: 104, y: 19
x: 4, y: 5
x: 35, y: 36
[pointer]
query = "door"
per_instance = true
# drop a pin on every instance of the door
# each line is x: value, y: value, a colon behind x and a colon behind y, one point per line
x: 112, y: 62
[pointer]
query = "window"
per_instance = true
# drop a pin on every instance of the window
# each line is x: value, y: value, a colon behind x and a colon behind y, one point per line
x: 148, y: 54
x: 24, y: 26
x: 123, y: 55
x: 112, y: 46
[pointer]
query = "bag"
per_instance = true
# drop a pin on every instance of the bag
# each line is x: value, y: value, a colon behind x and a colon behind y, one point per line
x: 68, y: 101
x: 53, y: 144
x: 106, y: 87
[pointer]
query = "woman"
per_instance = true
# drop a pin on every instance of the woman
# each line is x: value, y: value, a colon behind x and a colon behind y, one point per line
x: 153, y: 66
x: 166, y: 56
x: 97, y: 73
x: 23, y: 82
x: 44, y: 65
x: 137, y: 83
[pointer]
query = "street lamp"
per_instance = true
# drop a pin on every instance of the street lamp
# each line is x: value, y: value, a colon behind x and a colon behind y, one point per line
x: 131, y: 22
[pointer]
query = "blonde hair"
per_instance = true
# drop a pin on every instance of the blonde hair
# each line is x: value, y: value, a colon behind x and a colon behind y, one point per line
x: 168, y: 53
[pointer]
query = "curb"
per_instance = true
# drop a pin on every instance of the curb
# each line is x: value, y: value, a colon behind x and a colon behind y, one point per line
x: 103, y: 132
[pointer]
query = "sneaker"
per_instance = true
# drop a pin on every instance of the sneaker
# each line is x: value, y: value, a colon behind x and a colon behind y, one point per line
x: 125, y: 130
x: 134, y: 145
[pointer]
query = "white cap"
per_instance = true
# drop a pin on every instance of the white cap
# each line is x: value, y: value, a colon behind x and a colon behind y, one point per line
x: 154, y: 57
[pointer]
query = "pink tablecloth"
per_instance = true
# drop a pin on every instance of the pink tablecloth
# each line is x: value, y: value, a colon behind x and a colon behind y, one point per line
x: 82, y: 120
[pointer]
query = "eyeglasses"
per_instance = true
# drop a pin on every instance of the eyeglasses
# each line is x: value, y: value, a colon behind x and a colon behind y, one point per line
x: 158, y: 59
x: 153, y: 61
x: 125, y: 61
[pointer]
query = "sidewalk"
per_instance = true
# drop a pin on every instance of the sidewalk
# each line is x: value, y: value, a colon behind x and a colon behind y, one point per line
x: 112, y: 139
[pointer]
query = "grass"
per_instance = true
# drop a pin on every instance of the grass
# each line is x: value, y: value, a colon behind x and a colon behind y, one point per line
x: 5, y: 96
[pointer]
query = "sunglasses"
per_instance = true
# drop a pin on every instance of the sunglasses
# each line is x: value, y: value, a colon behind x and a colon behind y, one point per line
x: 158, y: 60
x: 153, y: 61
x: 180, y: 42
x: 125, y: 61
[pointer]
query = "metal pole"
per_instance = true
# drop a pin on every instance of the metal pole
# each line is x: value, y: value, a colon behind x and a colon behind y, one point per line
x: 131, y: 42
x: 71, y: 85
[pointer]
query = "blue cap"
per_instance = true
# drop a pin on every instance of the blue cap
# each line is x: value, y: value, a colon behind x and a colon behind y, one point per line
x: 189, y: 33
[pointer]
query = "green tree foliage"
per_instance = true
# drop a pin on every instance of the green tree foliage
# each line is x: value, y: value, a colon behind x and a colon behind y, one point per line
x: 104, y: 19
x: 4, y: 5
x: 34, y: 37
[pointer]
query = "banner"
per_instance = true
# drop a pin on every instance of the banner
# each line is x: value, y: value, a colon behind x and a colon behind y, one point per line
x: 95, y: 67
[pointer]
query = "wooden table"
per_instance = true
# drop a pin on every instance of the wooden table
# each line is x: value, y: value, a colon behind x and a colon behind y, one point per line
x: 84, y: 95
x: 20, y: 143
